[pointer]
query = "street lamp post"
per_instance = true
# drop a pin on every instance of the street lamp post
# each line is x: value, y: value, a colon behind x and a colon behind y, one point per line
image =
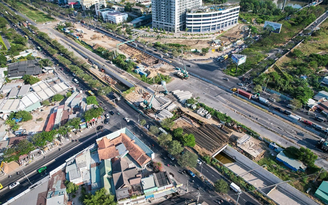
x: 26, y: 176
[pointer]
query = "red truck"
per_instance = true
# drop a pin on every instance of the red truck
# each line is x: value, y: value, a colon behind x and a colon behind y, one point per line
x: 244, y: 93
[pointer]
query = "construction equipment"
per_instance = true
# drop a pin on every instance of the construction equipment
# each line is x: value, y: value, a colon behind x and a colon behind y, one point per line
x: 118, y: 45
x: 164, y: 85
x: 182, y: 73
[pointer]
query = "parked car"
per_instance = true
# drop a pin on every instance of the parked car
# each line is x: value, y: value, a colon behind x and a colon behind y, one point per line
x: 13, y: 185
x: 107, y: 116
x: 240, y: 84
x: 111, y: 112
x: 75, y: 81
x: 191, y: 173
x: 100, y: 127
x: 199, y: 162
x: 126, y: 119
x: 106, y: 121
x: 226, y: 79
x: 171, y: 157
x: 287, y: 112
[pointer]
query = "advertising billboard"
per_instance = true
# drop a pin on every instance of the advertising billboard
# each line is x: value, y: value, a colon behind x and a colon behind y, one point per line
x: 275, y: 26
x: 238, y: 59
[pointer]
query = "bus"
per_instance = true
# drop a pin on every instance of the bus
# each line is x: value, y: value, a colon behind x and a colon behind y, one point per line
x: 234, y: 187
x: 90, y: 93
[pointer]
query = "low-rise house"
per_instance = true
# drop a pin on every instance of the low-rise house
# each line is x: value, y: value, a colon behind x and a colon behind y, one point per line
x: 322, y: 95
x: 293, y: 164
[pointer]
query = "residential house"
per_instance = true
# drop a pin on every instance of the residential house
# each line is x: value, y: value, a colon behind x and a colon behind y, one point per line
x: 126, y: 179
x: 57, y: 190
x: 293, y: 164
x: 322, y: 95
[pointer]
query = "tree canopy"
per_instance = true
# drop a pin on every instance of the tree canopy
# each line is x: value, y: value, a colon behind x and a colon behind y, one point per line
x: 154, y: 130
x: 93, y: 113
x: 28, y: 79
x: 57, y: 98
x: 188, y: 159
x: 164, y: 139
x: 101, y: 197
x: 221, y: 186
x: 92, y: 100
x: 188, y: 140
x: 303, y: 154
x: 71, y: 187
x: 174, y: 147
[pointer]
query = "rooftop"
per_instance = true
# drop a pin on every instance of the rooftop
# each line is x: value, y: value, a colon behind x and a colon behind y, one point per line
x: 250, y: 145
x: 21, y: 68
x: 322, y: 191
x: 213, y: 8
x: 123, y: 175
x: 162, y: 179
x: 296, y: 164
x: 148, y: 182
x: 110, y: 148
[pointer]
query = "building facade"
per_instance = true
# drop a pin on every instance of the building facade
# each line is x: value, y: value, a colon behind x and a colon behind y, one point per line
x: 211, y: 19
x: 170, y: 15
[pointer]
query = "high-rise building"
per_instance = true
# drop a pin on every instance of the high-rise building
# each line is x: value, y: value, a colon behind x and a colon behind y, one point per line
x: 170, y: 15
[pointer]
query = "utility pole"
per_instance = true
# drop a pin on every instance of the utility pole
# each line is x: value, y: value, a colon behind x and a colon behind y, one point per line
x: 26, y: 176
x: 238, y: 197
x: 318, y: 175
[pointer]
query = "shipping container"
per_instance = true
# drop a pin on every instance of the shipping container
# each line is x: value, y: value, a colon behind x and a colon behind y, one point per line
x: 244, y: 93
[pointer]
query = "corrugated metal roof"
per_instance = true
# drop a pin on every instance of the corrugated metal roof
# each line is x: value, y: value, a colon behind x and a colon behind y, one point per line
x: 21, y: 68
x: 13, y: 93
x: 63, y: 86
x: 57, y: 88
x: 49, y: 92
x: 26, y: 101
x: 33, y: 97
x: 322, y: 191
x: 24, y: 90
x: 15, y: 104
x: 7, y: 87
x: 36, y: 87
x: 33, y: 107
x: 7, y: 104
x: 42, y: 95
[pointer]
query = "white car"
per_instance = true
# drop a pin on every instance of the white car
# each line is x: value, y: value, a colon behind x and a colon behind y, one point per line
x: 75, y: 81
x: 199, y: 162
x: 126, y: 119
x: 13, y: 185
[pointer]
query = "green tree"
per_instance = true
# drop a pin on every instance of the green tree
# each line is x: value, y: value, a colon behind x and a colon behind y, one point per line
x: 205, y: 50
x: 307, y: 156
x: 143, y: 122
x: 164, y: 139
x: 99, y: 198
x: 24, y: 147
x: 297, y: 53
x: 221, y: 186
x: 45, y: 62
x: 257, y: 88
x: 15, y: 127
x: 26, y: 116
x: 28, y: 79
x: 177, y: 133
x: 296, y: 103
x: 188, y: 140
x: 154, y: 130
x: 71, y: 187
x: 57, y: 98
x: 188, y: 159
x: 68, y: 94
x: 175, y: 53
x: 174, y: 147
x: 167, y: 124
x: 10, y: 122
x: 45, y: 103
x: 92, y: 100
x: 75, y: 122
x: 93, y: 113
x: 105, y: 90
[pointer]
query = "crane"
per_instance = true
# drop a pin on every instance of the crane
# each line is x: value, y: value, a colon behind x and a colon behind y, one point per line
x: 163, y: 84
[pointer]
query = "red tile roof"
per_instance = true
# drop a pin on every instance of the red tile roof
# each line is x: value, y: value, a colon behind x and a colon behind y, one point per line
x: 107, y: 149
x: 51, y: 122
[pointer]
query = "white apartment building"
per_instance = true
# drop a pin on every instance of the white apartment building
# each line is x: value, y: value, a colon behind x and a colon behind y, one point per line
x: 212, y: 19
x: 170, y: 15
x: 114, y: 16
x: 86, y: 4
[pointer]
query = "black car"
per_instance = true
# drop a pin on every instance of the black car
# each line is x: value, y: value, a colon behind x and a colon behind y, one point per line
x: 286, y: 112
x: 111, y: 112
x: 106, y: 121
x: 100, y: 127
